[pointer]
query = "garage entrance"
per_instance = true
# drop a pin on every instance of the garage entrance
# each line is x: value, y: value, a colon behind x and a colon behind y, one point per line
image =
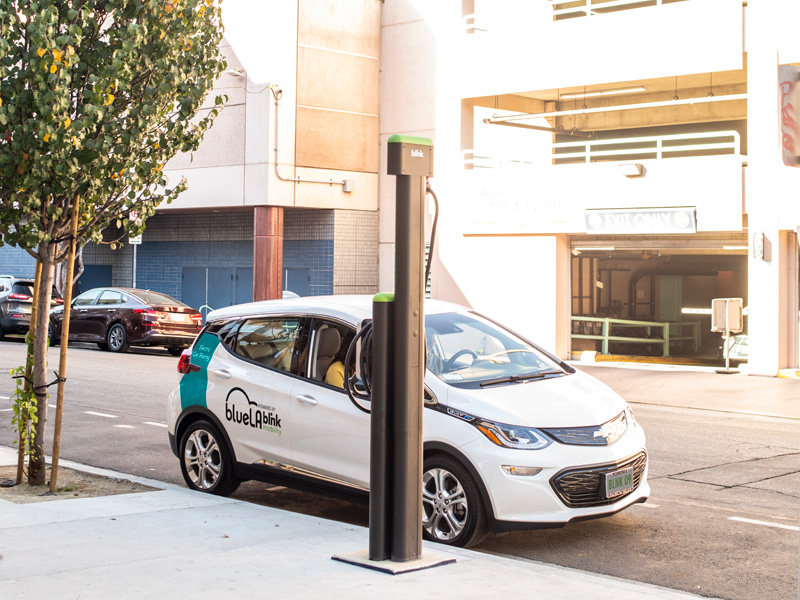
x: 650, y: 295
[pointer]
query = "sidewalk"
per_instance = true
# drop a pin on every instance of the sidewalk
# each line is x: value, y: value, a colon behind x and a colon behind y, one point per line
x: 175, y: 543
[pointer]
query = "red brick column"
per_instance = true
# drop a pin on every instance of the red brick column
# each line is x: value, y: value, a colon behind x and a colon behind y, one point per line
x: 268, y: 253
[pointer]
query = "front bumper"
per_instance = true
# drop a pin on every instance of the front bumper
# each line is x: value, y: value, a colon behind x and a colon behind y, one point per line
x: 568, y: 487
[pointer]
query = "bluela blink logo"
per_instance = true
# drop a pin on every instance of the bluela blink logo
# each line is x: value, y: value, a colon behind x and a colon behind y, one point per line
x: 254, y: 415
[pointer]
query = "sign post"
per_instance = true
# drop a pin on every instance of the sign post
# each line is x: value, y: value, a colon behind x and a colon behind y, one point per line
x: 726, y: 318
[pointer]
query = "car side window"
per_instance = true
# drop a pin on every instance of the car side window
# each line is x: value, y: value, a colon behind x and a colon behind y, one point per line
x: 86, y: 298
x: 109, y: 297
x: 269, y: 341
x: 330, y: 341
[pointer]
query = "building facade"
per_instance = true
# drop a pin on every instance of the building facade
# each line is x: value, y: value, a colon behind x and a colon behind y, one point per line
x: 606, y: 160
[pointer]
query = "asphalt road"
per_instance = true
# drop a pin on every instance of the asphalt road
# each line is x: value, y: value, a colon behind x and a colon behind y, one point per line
x: 722, y: 519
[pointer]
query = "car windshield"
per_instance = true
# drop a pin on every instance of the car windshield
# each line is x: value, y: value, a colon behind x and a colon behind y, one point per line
x: 156, y: 299
x: 466, y: 350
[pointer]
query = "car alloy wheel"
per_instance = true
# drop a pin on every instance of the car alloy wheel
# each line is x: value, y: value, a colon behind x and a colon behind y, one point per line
x: 206, y: 464
x: 452, y: 507
x: 116, y: 338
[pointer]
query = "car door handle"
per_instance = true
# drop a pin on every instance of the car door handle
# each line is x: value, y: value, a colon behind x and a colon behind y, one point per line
x: 222, y: 373
x: 82, y: 310
x: 307, y: 400
x: 112, y: 310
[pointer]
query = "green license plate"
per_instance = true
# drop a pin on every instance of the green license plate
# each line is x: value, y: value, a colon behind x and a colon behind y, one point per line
x: 618, y: 482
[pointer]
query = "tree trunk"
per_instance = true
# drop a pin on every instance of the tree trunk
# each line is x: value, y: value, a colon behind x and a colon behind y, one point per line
x: 36, y: 466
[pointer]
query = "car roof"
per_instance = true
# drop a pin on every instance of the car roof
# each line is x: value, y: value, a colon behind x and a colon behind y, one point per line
x: 353, y: 309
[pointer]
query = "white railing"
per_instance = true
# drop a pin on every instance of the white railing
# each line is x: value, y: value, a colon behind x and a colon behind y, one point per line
x: 588, y: 8
x: 646, y: 148
x: 655, y: 147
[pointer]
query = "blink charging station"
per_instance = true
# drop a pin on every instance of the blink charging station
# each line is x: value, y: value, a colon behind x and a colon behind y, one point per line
x: 391, y: 364
x: 395, y: 512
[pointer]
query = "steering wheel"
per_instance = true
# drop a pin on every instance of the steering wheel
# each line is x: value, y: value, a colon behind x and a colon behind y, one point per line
x: 450, y: 365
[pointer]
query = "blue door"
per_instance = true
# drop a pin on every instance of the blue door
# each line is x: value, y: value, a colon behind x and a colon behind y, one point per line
x: 94, y: 276
x: 297, y: 281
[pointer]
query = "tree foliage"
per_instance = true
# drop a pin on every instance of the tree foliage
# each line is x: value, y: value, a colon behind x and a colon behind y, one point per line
x: 95, y: 97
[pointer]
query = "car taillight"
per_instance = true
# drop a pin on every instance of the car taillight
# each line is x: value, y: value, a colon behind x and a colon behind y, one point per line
x: 150, y: 316
x: 19, y: 296
x: 185, y: 365
x: 58, y: 300
x: 198, y: 320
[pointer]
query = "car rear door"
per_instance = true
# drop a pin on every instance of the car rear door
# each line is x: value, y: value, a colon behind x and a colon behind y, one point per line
x: 250, y: 383
x: 330, y: 436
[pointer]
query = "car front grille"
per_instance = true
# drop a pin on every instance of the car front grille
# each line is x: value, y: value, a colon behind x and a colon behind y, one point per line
x: 582, y: 487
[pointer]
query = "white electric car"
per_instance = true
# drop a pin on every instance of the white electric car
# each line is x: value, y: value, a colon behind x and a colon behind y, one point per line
x: 513, y: 437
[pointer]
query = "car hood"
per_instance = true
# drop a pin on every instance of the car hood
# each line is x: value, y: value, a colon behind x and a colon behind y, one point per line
x: 572, y: 400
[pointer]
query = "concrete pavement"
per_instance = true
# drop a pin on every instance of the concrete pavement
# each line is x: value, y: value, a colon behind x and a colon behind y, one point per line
x: 177, y: 543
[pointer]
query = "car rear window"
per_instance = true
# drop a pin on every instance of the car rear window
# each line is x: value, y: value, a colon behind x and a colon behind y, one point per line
x: 22, y: 288
x: 156, y: 298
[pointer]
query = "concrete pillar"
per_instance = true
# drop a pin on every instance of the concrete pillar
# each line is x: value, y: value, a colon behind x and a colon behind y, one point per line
x: 267, y: 253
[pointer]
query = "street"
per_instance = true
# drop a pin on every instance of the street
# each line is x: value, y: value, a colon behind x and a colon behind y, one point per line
x: 721, y: 521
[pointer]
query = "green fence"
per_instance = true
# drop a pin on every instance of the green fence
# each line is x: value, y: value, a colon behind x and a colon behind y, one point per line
x: 601, y: 329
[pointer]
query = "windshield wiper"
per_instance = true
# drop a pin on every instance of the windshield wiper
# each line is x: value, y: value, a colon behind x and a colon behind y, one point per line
x: 516, y: 378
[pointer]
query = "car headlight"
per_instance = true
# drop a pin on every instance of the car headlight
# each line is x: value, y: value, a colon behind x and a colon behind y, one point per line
x: 513, y: 436
x: 631, y: 418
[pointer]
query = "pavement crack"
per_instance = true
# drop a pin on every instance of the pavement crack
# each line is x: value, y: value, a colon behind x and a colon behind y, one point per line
x: 734, y: 462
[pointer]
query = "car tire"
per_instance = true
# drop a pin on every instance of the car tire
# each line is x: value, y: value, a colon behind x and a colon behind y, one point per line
x: 206, y: 462
x: 175, y: 350
x: 2, y: 334
x: 102, y: 345
x: 51, y: 333
x: 453, y: 510
x: 116, y: 338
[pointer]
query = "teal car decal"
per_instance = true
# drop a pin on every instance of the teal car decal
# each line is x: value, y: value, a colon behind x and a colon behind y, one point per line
x: 194, y: 385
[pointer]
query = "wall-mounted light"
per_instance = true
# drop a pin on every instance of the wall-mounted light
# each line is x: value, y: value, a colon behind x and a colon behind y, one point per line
x: 632, y: 169
x: 234, y: 72
x: 627, y: 90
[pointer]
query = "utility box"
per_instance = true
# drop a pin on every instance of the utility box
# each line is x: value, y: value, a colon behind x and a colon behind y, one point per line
x: 726, y: 315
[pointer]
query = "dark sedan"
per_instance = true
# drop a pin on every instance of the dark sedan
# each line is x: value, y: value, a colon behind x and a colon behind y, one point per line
x: 116, y: 318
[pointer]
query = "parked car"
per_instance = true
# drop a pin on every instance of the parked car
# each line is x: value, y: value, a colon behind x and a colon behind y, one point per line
x: 116, y: 318
x: 16, y: 301
x: 514, y: 438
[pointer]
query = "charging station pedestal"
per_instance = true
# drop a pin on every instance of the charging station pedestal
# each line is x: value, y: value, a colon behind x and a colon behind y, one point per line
x: 399, y: 367
x: 397, y: 387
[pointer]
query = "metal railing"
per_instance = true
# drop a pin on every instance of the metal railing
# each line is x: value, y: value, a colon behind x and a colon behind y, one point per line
x: 665, y: 340
x: 649, y: 147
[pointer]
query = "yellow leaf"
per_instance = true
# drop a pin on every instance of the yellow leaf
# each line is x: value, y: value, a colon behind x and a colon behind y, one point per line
x: 47, y: 137
x: 67, y: 123
x: 163, y: 33
x: 74, y: 141
x: 53, y: 68
x: 41, y: 52
x: 57, y: 55
x: 109, y: 99
x: 188, y: 45
x: 66, y: 64
x: 1, y: 102
x: 201, y: 11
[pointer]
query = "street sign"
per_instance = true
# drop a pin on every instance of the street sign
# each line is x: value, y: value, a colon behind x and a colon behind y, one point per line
x: 726, y: 315
x: 135, y: 239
